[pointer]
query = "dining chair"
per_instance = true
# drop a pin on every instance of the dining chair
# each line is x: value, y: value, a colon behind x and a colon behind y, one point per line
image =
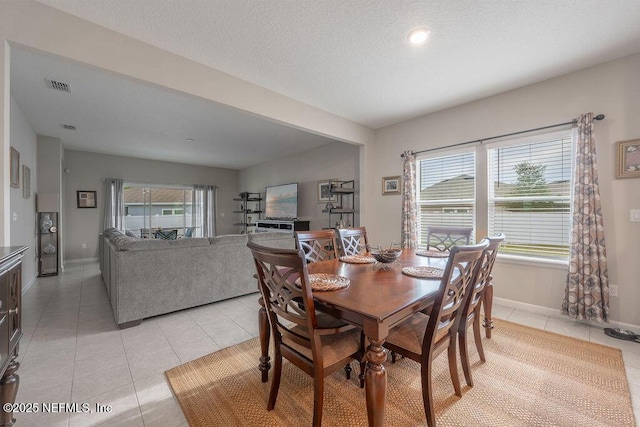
x: 166, y: 234
x: 423, y: 337
x: 318, y: 245
x: 317, y: 344
x: 442, y: 238
x: 471, y: 309
x: 353, y: 241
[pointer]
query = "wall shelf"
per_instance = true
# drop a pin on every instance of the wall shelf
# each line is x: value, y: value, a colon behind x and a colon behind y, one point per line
x: 249, y: 216
x: 343, y: 209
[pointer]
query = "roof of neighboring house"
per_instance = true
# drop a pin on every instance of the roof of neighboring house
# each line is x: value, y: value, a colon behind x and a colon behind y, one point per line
x: 463, y: 186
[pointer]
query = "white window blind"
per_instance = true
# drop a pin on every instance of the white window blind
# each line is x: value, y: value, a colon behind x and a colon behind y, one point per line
x: 529, y: 193
x: 447, y: 192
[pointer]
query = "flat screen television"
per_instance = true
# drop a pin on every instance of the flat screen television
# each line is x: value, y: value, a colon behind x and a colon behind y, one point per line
x: 281, y: 201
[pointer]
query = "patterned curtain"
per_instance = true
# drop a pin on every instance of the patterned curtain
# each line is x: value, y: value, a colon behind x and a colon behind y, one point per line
x: 587, y: 292
x: 113, y: 215
x: 409, y: 204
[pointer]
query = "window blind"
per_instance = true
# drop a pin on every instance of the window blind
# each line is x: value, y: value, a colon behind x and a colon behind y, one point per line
x: 529, y: 196
x: 447, y: 192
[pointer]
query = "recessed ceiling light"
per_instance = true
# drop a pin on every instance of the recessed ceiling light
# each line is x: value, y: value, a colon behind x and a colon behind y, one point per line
x: 418, y: 36
x: 190, y: 140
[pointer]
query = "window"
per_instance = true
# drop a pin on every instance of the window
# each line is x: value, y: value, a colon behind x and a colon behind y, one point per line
x: 447, y: 192
x: 529, y: 195
x: 149, y: 208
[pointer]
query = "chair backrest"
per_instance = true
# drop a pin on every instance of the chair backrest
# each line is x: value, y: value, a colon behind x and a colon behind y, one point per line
x: 289, y: 305
x: 458, y: 275
x: 318, y: 245
x: 188, y: 232
x: 482, y: 275
x: 353, y: 241
x: 166, y: 234
x: 443, y: 238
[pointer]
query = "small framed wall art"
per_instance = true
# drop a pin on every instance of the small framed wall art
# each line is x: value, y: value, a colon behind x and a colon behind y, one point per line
x: 86, y: 199
x: 26, y: 181
x: 324, y: 191
x: 628, y: 159
x: 390, y: 185
x: 15, y: 168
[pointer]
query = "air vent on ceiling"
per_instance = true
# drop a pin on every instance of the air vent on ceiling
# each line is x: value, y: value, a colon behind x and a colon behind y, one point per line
x: 57, y: 85
x: 68, y: 127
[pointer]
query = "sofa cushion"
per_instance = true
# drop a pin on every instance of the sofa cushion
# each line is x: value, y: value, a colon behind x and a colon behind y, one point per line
x: 131, y: 244
x: 229, y: 239
x: 274, y: 240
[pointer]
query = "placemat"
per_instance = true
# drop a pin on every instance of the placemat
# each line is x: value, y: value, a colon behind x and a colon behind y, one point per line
x: 358, y: 259
x: 326, y: 282
x: 433, y: 254
x: 424, y: 272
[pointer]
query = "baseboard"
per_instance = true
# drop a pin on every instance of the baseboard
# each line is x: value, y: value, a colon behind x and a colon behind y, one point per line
x: 546, y: 311
x: 81, y: 260
x: 27, y: 285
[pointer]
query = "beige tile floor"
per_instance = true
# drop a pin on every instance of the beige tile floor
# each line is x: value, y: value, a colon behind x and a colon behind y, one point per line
x: 72, y: 351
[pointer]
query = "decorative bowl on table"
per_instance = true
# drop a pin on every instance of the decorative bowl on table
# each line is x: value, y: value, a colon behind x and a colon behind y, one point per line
x: 385, y: 257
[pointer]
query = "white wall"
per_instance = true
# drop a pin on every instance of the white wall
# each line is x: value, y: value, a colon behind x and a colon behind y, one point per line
x: 23, y: 229
x: 612, y: 89
x: 335, y: 160
x: 86, y: 171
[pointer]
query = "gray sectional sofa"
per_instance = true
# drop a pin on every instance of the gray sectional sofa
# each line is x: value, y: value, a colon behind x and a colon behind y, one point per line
x: 149, y: 277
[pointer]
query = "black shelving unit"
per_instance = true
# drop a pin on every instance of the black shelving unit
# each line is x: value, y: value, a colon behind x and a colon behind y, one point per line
x: 343, y: 209
x: 250, y: 210
x: 48, y: 248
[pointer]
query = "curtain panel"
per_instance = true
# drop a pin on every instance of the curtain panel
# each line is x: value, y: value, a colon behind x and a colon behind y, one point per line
x: 113, y: 215
x: 409, y: 202
x: 587, y: 290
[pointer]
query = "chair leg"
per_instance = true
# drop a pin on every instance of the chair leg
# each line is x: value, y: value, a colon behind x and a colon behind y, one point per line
x: 453, y: 366
x: 363, y: 371
x: 478, y: 337
x: 464, y: 354
x: 427, y: 394
x: 394, y: 355
x: 318, y: 394
x: 347, y: 371
x: 275, y: 381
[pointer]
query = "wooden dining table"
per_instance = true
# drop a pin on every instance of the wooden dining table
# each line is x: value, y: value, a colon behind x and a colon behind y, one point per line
x: 376, y: 300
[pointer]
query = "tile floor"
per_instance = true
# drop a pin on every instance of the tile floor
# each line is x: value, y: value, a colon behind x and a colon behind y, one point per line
x: 72, y: 351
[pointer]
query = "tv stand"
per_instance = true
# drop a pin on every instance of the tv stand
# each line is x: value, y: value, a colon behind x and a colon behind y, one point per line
x: 281, y: 226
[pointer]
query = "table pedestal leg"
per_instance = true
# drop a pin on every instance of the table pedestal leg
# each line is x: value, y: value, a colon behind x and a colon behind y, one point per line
x: 8, y: 391
x: 488, y: 306
x: 265, y: 335
x: 375, y: 382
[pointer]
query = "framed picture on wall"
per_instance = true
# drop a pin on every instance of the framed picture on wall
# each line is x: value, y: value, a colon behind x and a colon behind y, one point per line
x: 628, y: 159
x: 86, y: 199
x: 15, y: 168
x: 390, y: 185
x: 324, y: 191
x: 26, y: 181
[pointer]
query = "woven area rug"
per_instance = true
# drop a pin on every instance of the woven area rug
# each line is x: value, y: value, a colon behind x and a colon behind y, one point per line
x: 531, y: 378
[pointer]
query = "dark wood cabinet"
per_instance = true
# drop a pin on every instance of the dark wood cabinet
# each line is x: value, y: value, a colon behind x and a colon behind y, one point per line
x: 10, y: 325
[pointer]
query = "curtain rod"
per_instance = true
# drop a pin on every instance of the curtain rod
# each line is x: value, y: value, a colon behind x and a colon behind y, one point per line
x: 572, y: 122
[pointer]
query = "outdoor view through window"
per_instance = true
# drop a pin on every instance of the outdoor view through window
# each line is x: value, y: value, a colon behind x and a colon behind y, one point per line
x: 528, y: 194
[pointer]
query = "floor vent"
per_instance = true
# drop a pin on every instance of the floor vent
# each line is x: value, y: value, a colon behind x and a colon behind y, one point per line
x: 56, y: 85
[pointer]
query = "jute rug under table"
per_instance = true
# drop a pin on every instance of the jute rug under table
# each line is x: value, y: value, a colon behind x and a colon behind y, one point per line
x: 531, y: 378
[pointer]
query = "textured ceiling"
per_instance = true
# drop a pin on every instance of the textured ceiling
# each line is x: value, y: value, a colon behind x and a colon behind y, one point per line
x: 351, y: 57
x: 348, y: 57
